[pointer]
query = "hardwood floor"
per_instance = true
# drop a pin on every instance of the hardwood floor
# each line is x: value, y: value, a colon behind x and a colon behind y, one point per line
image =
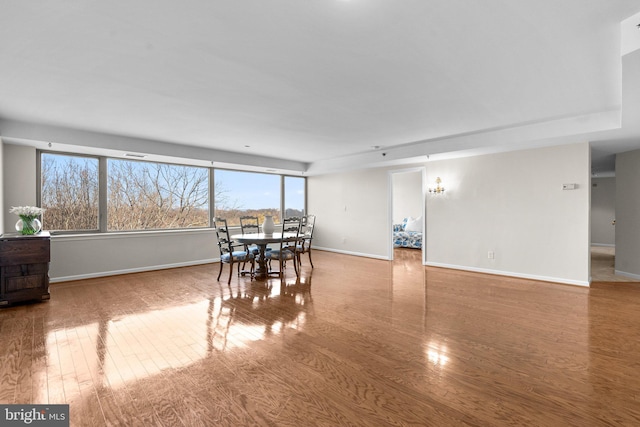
x: 355, y: 342
x: 603, y: 265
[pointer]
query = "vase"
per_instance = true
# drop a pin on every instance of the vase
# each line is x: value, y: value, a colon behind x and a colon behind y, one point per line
x: 28, y: 225
x: 268, y: 226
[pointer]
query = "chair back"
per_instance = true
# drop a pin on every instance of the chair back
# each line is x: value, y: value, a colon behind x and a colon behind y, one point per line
x: 249, y: 224
x: 287, y: 244
x: 222, y: 233
x: 292, y: 226
x: 307, y: 226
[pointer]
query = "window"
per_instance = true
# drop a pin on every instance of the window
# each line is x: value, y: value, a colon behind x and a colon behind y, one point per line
x: 246, y: 193
x: 99, y: 194
x: 294, y: 196
x: 69, y: 192
x: 148, y: 196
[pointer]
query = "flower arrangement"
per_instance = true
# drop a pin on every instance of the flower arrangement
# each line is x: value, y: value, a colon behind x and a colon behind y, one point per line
x: 29, y: 223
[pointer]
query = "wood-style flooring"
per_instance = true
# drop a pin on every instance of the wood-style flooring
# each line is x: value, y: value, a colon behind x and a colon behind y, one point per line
x: 354, y: 342
x: 603, y: 259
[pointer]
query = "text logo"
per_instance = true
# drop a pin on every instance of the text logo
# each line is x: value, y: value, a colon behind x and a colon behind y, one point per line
x: 34, y: 415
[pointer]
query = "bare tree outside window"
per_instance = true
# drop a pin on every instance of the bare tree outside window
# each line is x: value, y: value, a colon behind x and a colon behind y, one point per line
x: 69, y: 192
x: 144, y: 195
x: 148, y: 196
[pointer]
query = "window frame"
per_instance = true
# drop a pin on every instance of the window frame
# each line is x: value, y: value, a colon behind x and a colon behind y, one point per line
x: 103, y: 193
x: 283, y: 192
x: 278, y: 220
x: 39, y: 154
x: 106, y: 195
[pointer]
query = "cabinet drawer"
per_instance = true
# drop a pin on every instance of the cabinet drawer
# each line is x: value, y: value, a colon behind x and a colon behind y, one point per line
x: 24, y: 270
x: 21, y: 283
x: 24, y: 251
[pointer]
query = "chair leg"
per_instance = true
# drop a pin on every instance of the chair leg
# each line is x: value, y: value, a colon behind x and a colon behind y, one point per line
x: 230, y: 273
x: 311, y: 262
x: 243, y: 271
x: 282, y: 266
x: 220, y: 272
x: 295, y: 265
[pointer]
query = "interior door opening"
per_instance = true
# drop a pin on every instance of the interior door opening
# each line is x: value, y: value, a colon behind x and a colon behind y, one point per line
x: 407, y: 211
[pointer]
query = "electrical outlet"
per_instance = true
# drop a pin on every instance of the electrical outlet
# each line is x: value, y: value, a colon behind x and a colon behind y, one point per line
x: 491, y: 255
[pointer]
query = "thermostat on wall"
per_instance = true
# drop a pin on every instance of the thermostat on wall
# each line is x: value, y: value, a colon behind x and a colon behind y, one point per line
x: 569, y: 186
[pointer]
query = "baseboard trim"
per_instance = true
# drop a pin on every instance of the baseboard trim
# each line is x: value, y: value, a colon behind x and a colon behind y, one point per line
x: 361, y: 254
x: 131, y: 270
x: 606, y: 245
x: 511, y: 274
x: 625, y: 274
x: 386, y: 258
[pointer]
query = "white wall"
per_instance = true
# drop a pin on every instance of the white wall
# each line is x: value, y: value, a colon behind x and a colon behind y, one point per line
x: 1, y: 188
x: 628, y: 214
x: 81, y: 256
x: 603, y: 211
x: 352, y: 212
x: 513, y: 204
x: 509, y: 203
x: 19, y: 176
x: 407, y: 195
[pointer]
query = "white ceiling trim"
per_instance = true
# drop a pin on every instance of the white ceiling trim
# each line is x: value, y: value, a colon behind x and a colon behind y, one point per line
x: 94, y: 143
x: 559, y: 131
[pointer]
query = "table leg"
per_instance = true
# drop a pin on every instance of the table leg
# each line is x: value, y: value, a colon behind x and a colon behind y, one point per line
x: 261, y: 270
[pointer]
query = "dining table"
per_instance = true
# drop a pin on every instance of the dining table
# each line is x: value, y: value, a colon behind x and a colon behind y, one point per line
x: 262, y: 240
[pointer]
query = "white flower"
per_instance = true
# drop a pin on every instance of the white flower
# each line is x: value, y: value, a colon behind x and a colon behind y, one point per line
x: 29, y: 211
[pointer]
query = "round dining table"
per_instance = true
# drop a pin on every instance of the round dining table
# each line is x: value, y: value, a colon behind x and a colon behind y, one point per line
x: 261, y: 240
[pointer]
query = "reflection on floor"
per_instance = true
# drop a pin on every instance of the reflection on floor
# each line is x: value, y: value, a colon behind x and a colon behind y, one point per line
x: 603, y: 265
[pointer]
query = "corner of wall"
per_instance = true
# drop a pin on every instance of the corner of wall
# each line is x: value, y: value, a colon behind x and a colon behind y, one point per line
x: 2, y: 168
x: 627, y: 203
x: 19, y: 163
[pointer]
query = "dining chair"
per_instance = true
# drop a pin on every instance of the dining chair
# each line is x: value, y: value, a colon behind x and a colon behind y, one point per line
x: 250, y: 224
x: 291, y: 225
x: 229, y: 250
x: 305, y: 238
x: 287, y: 244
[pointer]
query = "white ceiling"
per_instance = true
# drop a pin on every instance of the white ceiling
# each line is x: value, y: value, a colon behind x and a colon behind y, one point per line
x: 322, y: 81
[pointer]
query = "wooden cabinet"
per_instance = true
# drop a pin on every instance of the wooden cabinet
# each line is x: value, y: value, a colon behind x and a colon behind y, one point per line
x: 24, y: 267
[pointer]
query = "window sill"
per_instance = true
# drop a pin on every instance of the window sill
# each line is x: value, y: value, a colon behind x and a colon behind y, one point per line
x: 128, y: 234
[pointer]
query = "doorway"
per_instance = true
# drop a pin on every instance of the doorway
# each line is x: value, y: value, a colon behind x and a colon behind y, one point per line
x: 407, y: 200
x: 603, y: 214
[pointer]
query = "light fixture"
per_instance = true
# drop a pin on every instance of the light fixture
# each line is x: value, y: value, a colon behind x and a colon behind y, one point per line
x: 439, y: 189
